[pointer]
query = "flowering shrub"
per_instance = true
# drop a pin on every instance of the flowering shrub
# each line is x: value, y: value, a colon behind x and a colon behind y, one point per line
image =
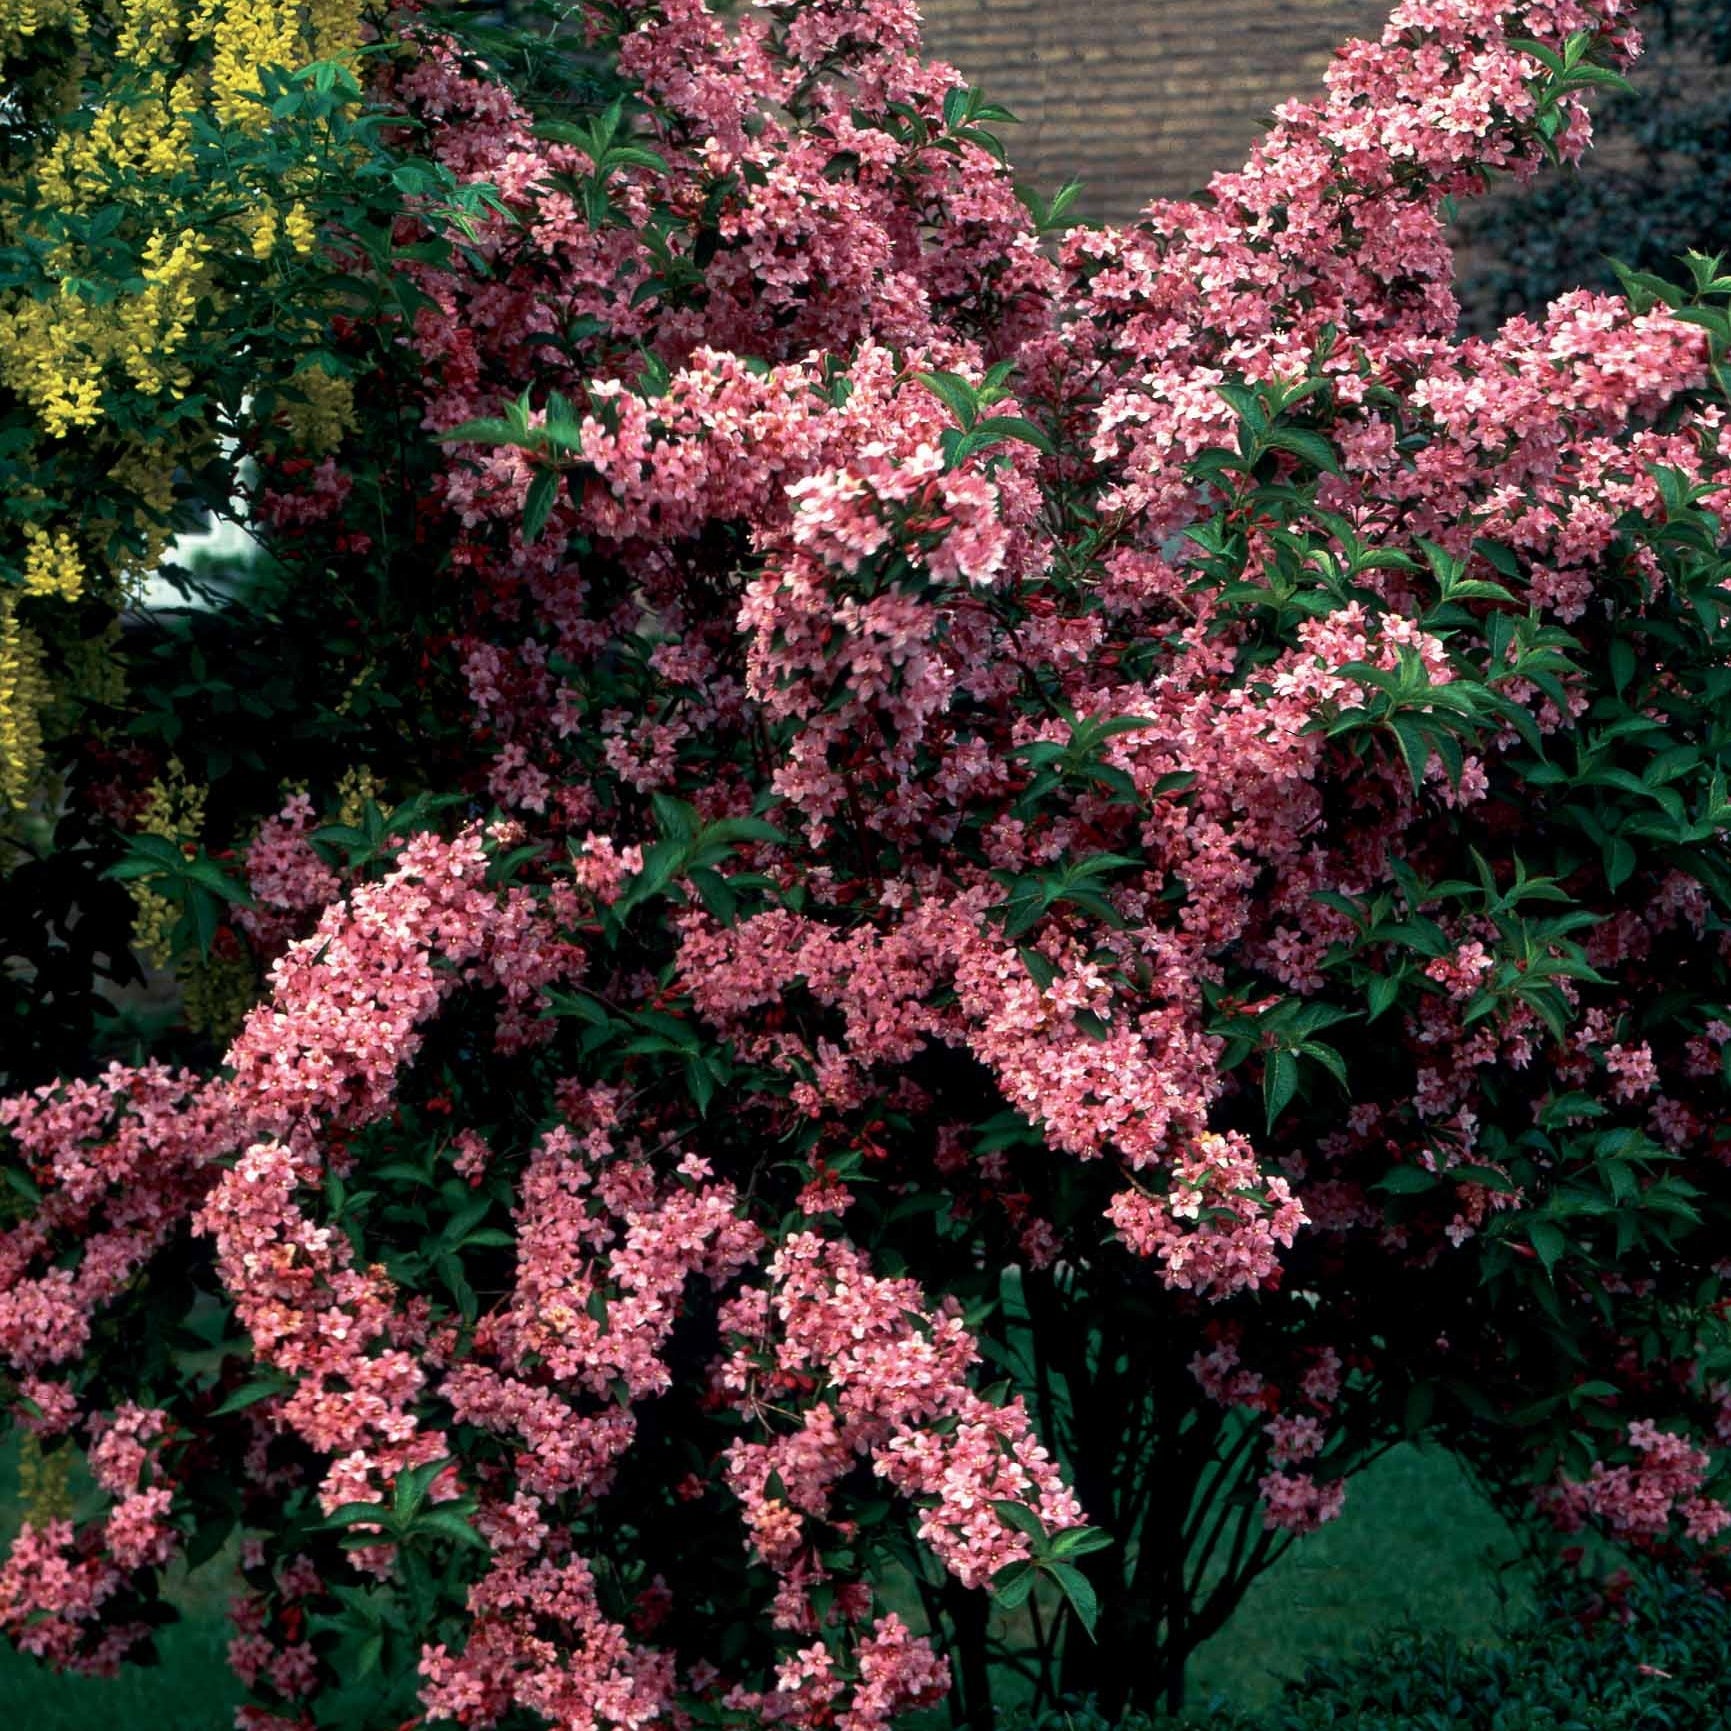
x: 877, y: 788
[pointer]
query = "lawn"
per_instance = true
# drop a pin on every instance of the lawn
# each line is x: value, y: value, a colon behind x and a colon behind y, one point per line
x: 1415, y: 1543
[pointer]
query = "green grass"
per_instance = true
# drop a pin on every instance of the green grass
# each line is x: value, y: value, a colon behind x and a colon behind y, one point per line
x: 1415, y: 1543
x: 191, y: 1690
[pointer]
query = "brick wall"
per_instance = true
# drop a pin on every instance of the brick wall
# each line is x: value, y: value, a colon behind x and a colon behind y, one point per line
x: 1140, y: 98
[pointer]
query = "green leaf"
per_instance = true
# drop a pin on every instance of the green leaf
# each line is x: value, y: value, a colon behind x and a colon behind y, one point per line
x: 1079, y: 1541
x: 1546, y: 1237
x: 446, y: 1523
x: 1622, y: 665
x: 1019, y: 1516
x: 956, y: 394
x: 1313, y: 448
x: 251, y: 1393
x: 412, y: 1486
x: 484, y: 432
x: 1486, y: 1177
x: 1012, y: 1584
x: 1279, y: 1082
x: 999, y: 427
x: 1079, y: 1590
x: 538, y: 503
x: 1407, y: 1181
x: 351, y: 1513
x: 1414, y: 742
x: 27, y: 1187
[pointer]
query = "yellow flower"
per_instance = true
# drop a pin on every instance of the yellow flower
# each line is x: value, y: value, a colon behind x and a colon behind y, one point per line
x: 150, y: 30
x: 153, y: 324
x: 51, y: 563
x: 23, y: 696
x: 359, y: 786
x: 22, y: 19
x: 44, y: 1482
x: 325, y: 411
x: 300, y: 228
x: 48, y: 356
x: 154, y: 918
x: 94, y: 673
x: 216, y: 995
x: 174, y: 809
x: 263, y: 224
x: 247, y: 36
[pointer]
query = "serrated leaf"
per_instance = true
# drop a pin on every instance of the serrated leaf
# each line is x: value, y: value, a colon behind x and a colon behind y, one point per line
x: 1012, y: 1584
x: 1019, y: 1516
x: 250, y: 1394
x: 1546, y: 1237
x: 1079, y: 1590
x: 538, y: 503
x: 1279, y: 1082
x: 1080, y: 1541
x: 446, y: 1523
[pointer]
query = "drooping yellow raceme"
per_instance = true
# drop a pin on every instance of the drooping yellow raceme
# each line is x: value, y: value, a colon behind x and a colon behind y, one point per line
x: 358, y: 788
x: 325, y: 412
x: 169, y: 61
x: 153, y: 325
x: 215, y: 994
x: 93, y: 672
x: 217, y: 989
x: 175, y: 812
x: 51, y: 563
x: 24, y: 694
x: 44, y: 1482
x: 50, y: 354
x: 20, y: 20
x: 146, y: 473
x: 56, y: 354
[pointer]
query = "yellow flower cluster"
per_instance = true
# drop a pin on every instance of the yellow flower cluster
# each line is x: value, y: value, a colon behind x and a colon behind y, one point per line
x: 153, y: 325
x: 325, y: 411
x: 358, y: 788
x: 154, y: 918
x: 174, y: 811
x: 268, y: 224
x: 216, y: 994
x: 175, y: 807
x: 114, y: 92
x: 94, y: 674
x: 171, y: 59
x: 55, y: 353
x: 22, y: 19
x: 246, y: 35
x: 47, y: 356
x: 24, y: 695
x: 51, y: 563
x: 146, y: 135
x: 146, y: 473
x: 44, y: 1482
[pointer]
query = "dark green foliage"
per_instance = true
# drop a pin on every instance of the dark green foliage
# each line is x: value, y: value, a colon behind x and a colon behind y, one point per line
x: 1657, y: 183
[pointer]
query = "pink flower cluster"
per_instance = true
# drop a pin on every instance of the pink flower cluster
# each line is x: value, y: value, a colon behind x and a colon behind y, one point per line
x: 886, y: 1370
x: 1640, y: 1500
